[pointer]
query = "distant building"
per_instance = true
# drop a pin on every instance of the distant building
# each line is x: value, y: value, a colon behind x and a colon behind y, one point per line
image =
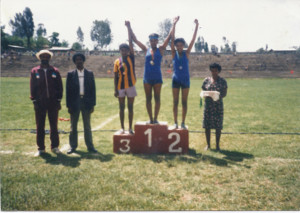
x: 62, y: 51
x: 16, y: 48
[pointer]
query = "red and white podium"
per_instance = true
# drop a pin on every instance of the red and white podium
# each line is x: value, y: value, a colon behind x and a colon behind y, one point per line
x: 152, y: 139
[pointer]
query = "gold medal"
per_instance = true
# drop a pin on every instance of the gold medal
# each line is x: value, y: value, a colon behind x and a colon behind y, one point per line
x: 152, y: 56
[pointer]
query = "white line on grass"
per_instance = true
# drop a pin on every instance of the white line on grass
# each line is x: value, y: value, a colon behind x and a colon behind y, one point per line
x: 6, y: 152
x: 258, y: 159
x: 65, y: 147
x: 110, y: 119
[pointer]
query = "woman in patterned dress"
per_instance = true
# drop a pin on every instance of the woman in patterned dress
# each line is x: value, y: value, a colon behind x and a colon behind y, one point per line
x: 214, y: 110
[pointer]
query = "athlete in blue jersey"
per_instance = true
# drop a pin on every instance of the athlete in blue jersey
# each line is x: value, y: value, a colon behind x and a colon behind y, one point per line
x: 152, y: 72
x: 181, y: 76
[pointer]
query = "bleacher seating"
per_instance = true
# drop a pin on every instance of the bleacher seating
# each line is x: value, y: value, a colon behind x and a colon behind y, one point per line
x: 254, y: 65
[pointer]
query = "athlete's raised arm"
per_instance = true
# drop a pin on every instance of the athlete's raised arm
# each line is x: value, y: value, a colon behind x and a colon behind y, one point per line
x: 173, y: 36
x: 127, y: 24
x: 193, y: 39
x: 166, y: 42
x: 140, y: 44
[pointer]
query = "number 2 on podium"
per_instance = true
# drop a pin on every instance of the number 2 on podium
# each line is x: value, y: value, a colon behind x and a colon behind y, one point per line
x: 177, y: 140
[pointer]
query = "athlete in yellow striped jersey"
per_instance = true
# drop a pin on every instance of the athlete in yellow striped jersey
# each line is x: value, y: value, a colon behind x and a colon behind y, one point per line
x: 125, y: 79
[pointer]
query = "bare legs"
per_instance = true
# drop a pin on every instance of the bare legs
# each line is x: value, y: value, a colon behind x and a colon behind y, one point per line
x: 175, y: 104
x: 121, y: 112
x: 218, y: 137
x: 130, y: 102
x: 148, y: 93
x: 184, y: 99
x: 130, y: 111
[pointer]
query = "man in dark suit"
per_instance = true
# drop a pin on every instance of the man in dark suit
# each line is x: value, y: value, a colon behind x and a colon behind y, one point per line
x: 81, y: 97
x: 46, y: 92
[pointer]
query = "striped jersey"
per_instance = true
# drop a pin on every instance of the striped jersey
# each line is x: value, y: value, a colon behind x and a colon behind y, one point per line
x: 126, y: 72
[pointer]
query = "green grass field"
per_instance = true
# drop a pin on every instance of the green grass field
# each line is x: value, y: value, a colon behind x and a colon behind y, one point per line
x: 252, y: 172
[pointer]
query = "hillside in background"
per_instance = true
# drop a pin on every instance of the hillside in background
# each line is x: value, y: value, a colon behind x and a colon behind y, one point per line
x: 242, y: 65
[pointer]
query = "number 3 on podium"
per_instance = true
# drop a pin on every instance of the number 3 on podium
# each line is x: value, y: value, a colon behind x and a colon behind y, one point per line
x: 126, y: 141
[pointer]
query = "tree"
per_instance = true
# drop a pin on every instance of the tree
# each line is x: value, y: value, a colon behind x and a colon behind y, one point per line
x: 64, y: 43
x: 101, y: 33
x: 15, y: 40
x: 41, y: 31
x: 214, y: 49
x: 206, y: 50
x: 76, y: 46
x: 164, y: 29
x: 4, y: 39
x: 41, y: 43
x: 233, y: 46
x: 227, y: 48
x: 54, y: 40
x: 17, y: 28
x: 80, y: 35
x: 297, y: 48
x: 260, y: 50
x: 199, y: 44
x: 23, y: 25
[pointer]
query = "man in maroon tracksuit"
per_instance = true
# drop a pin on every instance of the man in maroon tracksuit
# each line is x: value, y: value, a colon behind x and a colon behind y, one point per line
x: 46, y: 93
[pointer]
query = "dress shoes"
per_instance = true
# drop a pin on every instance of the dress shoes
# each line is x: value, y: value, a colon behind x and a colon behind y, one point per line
x: 93, y: 150
x: 70, y: 151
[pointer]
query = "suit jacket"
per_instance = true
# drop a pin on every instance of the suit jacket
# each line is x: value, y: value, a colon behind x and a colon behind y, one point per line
x: 46, y: 90
x: 73, y: 93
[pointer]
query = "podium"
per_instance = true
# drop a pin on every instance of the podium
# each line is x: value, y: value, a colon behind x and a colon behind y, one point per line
x: 152, y: 139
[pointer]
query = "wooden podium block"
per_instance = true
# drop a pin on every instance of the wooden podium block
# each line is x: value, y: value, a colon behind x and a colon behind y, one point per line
x: 122, y: 142
x: 178, y: 140
x: 152, y: 139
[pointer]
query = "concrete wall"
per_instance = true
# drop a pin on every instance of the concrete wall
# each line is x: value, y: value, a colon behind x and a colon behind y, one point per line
x: 242, y: 65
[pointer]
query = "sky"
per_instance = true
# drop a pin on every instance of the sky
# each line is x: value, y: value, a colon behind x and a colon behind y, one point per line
x: 251, y: 23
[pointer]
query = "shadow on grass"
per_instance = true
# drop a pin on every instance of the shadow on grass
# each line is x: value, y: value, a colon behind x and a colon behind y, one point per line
x: 231, y: 157
x: 236, y: 156
x: 74, y: 161
x: 61, y: 160
x: 192, y: 157
x: 99, y: 156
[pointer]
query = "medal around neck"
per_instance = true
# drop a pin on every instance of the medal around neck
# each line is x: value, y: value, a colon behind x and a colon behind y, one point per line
x: 179, y: 61
x: 152, y: 56
x: 122, y: 69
